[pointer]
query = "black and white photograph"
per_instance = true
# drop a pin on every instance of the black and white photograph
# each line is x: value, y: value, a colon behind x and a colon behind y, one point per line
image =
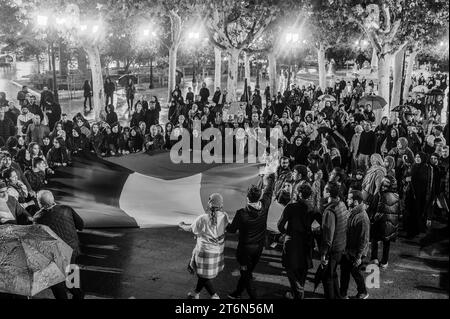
x: 235, y: 153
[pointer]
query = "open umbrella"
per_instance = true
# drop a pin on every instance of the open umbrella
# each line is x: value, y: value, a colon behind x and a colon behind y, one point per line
x: 327, y: 97
x: 376, y: 101
x: 420, y: 89
x: 435, y: 92
x: 399, y: 108
x: 32, y: 258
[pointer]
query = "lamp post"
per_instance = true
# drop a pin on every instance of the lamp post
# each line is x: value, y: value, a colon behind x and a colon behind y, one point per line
x: 194, y: 38
x: 148, y: 34
x: 291, y: 39
x: 43, y: 22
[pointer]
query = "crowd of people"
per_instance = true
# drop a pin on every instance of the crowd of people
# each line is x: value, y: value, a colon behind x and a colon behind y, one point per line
x: 345, y: 181
x: 347, y: 185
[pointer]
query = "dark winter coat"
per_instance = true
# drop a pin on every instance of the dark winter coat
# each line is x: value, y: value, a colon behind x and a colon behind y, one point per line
x: 297, y: 249
x: 386, y: 220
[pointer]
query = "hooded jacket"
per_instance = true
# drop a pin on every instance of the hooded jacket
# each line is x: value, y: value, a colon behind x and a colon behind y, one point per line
x: 251, y: 221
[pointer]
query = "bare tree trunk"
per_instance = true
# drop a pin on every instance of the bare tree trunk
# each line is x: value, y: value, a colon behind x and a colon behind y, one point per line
x: 273, y: 73
x: 82, y: 61
x: 97, y: 80
x: 175, y: 25
x: 38, y: 59
x: 217, y: 68
x: 398, y: 64
x: 322, y: 67
x: 172, y: 71
x: 233, y: 62
x: 374, y: 64
x: 384, y: 72
x: 247, y: 69
x: 410, y: 60
x: 63, y: 59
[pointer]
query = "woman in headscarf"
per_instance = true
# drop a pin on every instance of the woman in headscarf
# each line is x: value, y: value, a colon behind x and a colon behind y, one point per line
x: 208, y: 256
x: 386, y: 220
x: 58, y: 156
x: 389, y: 164
x: 295, y: 223
x: 390, y: 141
x: 419, y: 196
x: 299, y: 151
x: 382, y: 131
x: 372, y: 181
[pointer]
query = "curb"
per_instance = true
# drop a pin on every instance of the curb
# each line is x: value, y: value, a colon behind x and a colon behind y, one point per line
x: 37, y: 94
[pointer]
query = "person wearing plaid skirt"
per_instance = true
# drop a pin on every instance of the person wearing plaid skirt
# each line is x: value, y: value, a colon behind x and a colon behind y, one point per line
x: 208, y: 258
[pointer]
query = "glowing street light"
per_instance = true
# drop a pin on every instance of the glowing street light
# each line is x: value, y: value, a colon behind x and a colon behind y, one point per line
x: 42, y: 20
x: 292, y: 37
x: 95, y: 28
x: 148, y: 34
x: 194, y: 35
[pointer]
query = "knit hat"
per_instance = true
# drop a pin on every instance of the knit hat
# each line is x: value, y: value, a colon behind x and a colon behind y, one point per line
x: 215, y: 201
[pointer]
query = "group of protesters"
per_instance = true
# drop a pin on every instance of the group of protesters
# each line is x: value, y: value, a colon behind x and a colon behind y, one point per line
x: 346, y: 183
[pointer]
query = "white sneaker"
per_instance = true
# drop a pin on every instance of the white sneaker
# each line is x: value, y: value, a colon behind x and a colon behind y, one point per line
x: 216, y: 296
x: 193, y: 295
x: 384, y: 266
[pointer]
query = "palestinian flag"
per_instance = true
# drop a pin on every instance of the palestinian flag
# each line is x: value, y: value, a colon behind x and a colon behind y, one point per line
x: 143, y: 190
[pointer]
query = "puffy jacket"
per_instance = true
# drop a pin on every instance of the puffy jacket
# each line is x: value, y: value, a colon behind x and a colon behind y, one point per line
x: 334, y: 227
x: 386, y: 220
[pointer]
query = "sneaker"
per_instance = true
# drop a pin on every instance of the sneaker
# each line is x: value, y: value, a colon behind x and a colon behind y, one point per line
x: 216, y: 296
x: 345, y: 297
x: 384, y: 266
x: 375, y: 262
x: 288, y: 295
x: 234, y: 296
x: 361, y: 296
x: 193, y: 295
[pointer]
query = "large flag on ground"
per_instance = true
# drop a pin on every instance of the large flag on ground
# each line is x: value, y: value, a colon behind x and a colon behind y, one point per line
x: 150, y: 191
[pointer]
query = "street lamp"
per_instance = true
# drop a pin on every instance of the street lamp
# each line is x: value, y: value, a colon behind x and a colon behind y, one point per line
x: 43, y: 22
x: 291, y: 38
x: 194, y: 36
x: 146, y: 35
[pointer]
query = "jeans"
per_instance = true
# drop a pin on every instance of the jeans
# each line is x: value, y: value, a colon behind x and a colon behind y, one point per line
x: 130, y: 101
x: 248, y: 257
x: 386, y: 249
x: 297, y: 279
x: 347, y: 269
x: 330, y: 279
x: 205, y: 283
x: 109, y: 97
x: 88, y: 98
